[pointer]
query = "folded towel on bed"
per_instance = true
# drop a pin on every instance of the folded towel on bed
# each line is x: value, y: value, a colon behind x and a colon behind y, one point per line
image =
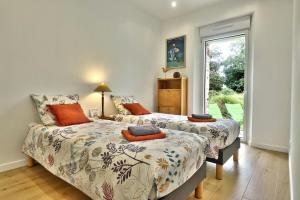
x: 201, y: 120
x: 201, y: 116
x: 143, y: 130
x: 132, y: 138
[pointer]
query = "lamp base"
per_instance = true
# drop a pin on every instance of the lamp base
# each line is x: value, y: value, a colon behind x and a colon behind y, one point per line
x: 106, y: 118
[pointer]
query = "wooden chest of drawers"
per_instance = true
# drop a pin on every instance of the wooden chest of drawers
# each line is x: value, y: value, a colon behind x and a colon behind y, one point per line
x: 172, y: 96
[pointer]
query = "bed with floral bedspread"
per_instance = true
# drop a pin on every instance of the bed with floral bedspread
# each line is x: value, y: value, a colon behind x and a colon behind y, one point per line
x: 220, y: 134
x: 96, y: 159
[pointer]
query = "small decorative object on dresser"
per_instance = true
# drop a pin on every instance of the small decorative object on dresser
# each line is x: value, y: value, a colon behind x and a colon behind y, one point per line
x: 165, y: 70
x: 102, y: 88
x: 176, y: 75
x: 172, y: 96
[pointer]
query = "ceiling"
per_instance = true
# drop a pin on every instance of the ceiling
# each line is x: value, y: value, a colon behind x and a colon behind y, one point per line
x: 163, y: 9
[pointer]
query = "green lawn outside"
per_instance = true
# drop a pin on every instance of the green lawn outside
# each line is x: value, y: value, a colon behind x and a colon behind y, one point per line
x: 231, y: 105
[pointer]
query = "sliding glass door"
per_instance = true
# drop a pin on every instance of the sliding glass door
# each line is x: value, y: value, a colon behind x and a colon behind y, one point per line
x: 225, y: 77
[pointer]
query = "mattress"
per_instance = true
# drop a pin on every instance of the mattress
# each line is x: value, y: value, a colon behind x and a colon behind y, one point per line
x: 96, y: 159
x: 220, y: 134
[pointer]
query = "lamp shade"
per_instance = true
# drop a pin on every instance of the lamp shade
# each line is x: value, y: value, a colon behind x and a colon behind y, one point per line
x: 102, y: 88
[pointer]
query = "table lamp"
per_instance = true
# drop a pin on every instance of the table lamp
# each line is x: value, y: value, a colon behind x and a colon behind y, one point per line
x: 102, y: 88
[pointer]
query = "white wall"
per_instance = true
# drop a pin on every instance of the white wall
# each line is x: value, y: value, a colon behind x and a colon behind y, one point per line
x: 295, y: 126
x: 271, y: 46
x: 68, y: 46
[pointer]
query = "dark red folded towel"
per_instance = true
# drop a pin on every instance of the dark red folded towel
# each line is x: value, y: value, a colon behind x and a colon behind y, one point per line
x: 126, y: 134
x: 201, y: 120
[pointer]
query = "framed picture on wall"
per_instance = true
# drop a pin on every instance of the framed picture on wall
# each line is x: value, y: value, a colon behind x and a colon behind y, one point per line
x: 176, y: 52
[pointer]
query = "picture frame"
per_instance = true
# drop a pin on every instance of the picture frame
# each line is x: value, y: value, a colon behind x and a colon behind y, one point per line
x: 176, y: 52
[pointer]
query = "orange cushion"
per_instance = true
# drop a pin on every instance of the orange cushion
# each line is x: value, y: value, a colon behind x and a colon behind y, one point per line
x: 132, y: 138
x: 201, y: 120
x: 136, y: 109
x: 68, y: 114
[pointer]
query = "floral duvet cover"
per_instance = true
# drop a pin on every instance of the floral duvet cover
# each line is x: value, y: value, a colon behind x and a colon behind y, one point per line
x: 96, y: 159
x: 220, y: 134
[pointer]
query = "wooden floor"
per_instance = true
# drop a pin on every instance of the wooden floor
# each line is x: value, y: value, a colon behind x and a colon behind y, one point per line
x: 259, y: 175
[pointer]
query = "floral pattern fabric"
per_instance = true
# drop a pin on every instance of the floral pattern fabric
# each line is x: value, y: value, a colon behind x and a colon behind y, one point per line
x: 95, y: 158
x: 120, y: 100
x: 42, y: 102
x: 220, y: 134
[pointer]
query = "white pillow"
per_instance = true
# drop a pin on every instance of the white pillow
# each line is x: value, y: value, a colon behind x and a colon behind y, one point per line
x: 119, y: 100
x: 41, y: 102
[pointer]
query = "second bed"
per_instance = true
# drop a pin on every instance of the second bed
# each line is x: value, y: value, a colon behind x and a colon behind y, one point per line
x: 223, y: 135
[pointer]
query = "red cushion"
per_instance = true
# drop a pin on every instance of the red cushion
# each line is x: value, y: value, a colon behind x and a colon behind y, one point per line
x: 68, y: 114
x: 136, y: 109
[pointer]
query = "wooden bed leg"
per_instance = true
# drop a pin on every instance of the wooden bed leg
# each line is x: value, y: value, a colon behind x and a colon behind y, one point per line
x: 29, y: 161
x: 236, y: 156
x: 219, y: 172
x: 199, y: 191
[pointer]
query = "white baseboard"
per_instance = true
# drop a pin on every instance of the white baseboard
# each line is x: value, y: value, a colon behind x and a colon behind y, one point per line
x: 270, y: 147
x: 12, y: 165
